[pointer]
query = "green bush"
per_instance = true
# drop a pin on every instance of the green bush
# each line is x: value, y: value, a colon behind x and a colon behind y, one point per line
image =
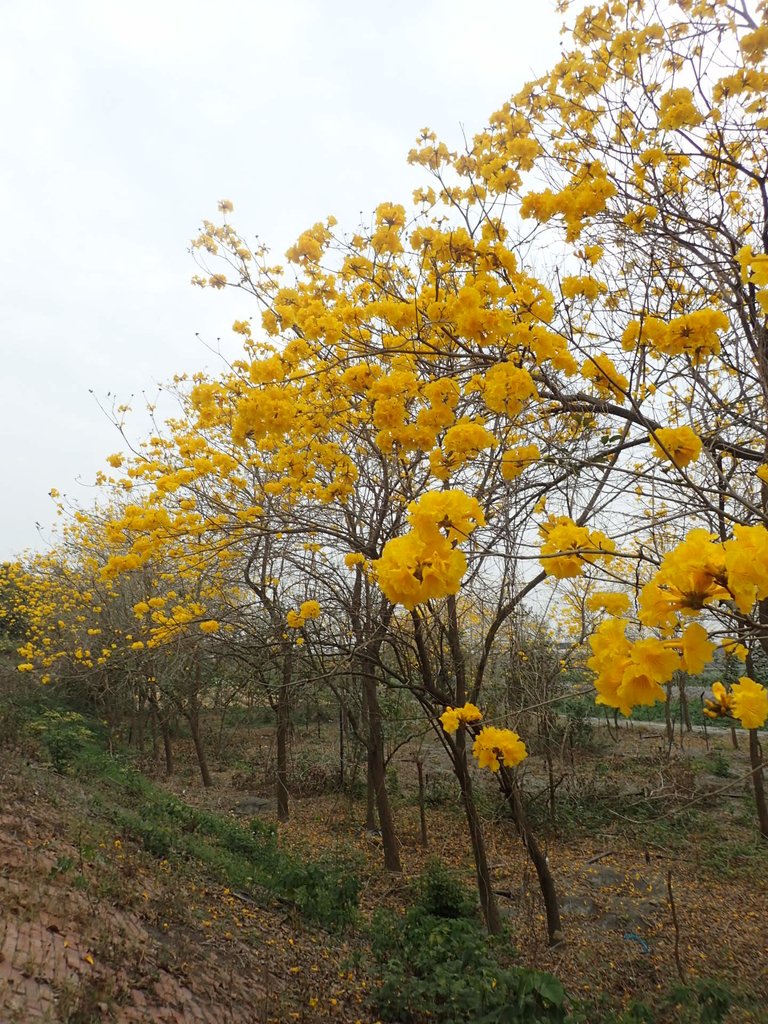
x: 439, y: 893
x: 438, y: 965
x: 65, y: 735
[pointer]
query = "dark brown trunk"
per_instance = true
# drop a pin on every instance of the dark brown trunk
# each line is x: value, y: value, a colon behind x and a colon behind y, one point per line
x: 422, y: 803
x: 758, y: 782
x: 685, y: 711
x: 488, y: 903
x: 537, y: 856
x: 153, y: 732
x: 193, y: 717
x: 370, y: 789
x: 283, y: 712
x: 378, y: 777
x: 668, y: 721
x: 341, y: 747
x: 165, y: 732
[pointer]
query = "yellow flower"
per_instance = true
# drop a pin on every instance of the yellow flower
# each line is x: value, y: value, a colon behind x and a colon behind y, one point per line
x: 452, y: 718
x: 294, y: 620
x: 731, y: 646
x: 507, y: 388
x: 678, y: 444
x: 678, y: 110
x: 494, y: 747
x: 310, y: 610
x: 691, y: 576
x: 749, y: 703
x: 719, y: 706
x: 697, y: 649
x: 209, y: 626
x: 515, y: 461
x: 614, y: 602
x: 606, y: 378
x: 413, y: 570
x: 746, y: 563
x: 567, y: 547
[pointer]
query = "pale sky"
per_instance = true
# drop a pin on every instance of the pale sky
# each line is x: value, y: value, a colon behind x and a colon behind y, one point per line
x: 124, y: 122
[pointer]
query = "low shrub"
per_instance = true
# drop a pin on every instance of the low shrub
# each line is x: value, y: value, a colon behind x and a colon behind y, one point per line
x: 438, y: 965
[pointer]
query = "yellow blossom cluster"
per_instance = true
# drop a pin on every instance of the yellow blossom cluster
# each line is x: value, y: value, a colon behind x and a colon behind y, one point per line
x: 630, y: 673
x: 694, y: 334
x: 496, y: 747
x: 516, y: 460
x: 452, y: 718
x: 308, y: 610
x: 679, y: 445
x: 702, y: 569
x: 426, y: 563
x: 754, y: 271
x: 492, y: 747
x: 609, y: 383
x: 747, y: 702
x: 614, y: 603
x: 568, y: 547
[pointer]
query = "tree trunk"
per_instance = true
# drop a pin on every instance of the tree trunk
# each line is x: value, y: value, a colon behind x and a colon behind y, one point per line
x: 758, y: 782
x: 193, y: 717
x: 341, y: 748
x: 370, y: 789
x: 668, y: 720
x: 165, y: 729
x: 538, y: 858
x: 283, y: 711
x: 685, y: 711
x: 488, y: 903
x: 378, y: 776
x: 422, y: 803
x: 153, y: 732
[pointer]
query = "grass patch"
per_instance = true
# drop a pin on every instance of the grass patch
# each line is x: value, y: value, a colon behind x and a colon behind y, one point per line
x: 242, y: 857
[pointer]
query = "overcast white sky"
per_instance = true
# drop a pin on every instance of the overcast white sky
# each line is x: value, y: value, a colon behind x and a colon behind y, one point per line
x: 124, y: 122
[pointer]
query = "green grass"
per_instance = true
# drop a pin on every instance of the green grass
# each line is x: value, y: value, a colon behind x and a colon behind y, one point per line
x: 243, y: 857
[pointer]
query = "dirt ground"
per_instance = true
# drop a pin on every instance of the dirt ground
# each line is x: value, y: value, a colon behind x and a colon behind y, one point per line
x: 97, y: 930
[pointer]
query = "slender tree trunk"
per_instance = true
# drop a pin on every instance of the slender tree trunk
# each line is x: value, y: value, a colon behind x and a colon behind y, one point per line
x: 140, y: 726
x: 758, y: 781
x: 378, y: 776
x: 341, y: 747
x: 193, y: 717
x: 165, y: 729
x: 152, y: 714
x: 488, y: 902
x: 538, y: 858
x: 161, y: 717
x: 545, y: 726
x: 685, y: 710
x: 422, y: 803
x: 370, y: 788
x: 283, y: 712
x: 668, y: 720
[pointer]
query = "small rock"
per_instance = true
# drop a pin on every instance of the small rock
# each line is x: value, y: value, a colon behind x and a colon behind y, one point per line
x: 579, y: 906
x: 256, y: 805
